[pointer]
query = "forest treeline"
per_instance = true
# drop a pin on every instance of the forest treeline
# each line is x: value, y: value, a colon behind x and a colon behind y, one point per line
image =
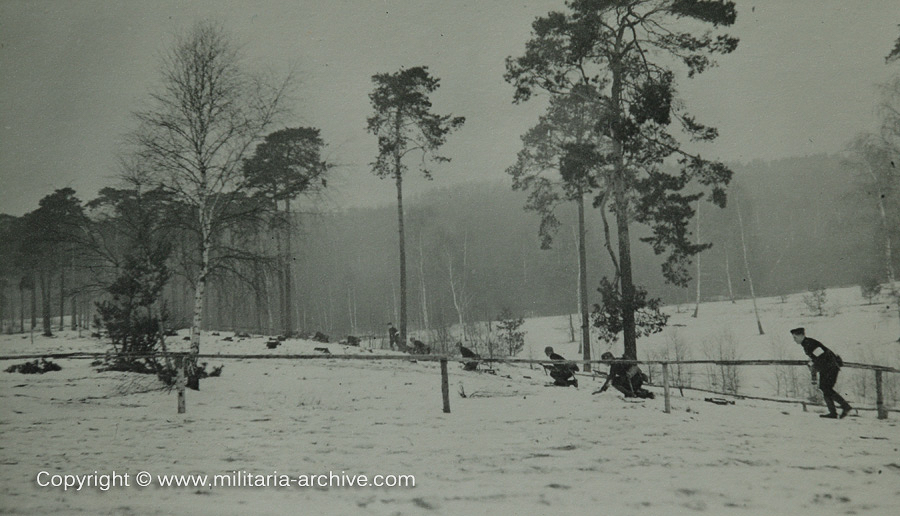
x: 473, y: 252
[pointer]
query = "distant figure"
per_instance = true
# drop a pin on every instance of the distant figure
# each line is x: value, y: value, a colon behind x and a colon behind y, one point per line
x: 827, y: 364
x: 468, y: 353
x: 563, y: 374
x: 626, y: 378
x: 418, y: 347
x: 393, y: 336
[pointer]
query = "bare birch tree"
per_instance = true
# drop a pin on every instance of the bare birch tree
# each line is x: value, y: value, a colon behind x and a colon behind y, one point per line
x: 747, y: 265
x: 201, y: 123
x: 875, y: 157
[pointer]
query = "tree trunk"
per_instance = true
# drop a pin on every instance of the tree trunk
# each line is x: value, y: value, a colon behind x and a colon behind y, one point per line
x: 888, y: 248
x: 629, y: 335
x: 233, y: 309
x: 45, y: 303
x: 279, y: 285
x: 62, y: 298
x: 270, y: 311
x: 74, y: 309
x: 747, y: 266
x: 577, y: 290
x: 697, y: 305
x: 402, y: 239
x: 457, y: 287
x: 453, y: 294
x: 582, y: 287
x: 3, y: 304
x: 258, y: 288
x: 33, y: 302
x: 571, y: 329
x: 199, y: 298
x: 197, y: 322
x: 288, y: 275
x: 258, y: 294
x: 425, y: 322
x: 395, y: 307
x: 351, y: 309
x: 728, y: 275
x: 21, y: 309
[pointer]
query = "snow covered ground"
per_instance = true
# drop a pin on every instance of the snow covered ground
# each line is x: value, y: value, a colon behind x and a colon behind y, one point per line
x: 512, y: 446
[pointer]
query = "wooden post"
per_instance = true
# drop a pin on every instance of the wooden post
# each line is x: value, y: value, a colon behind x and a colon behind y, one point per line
x: 879, y: 396
x: 445, y: 386
x: 180, y: 381
x: 665, y: 371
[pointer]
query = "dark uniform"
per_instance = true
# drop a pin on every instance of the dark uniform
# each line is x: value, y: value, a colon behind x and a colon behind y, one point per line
x: 827, y: 364
x: 563, y: 374
x: 393, y: 336
x: 626, y: 378
x: 419, y: 347
x: 468, y: 353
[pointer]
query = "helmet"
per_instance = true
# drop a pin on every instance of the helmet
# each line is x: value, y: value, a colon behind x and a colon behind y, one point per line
x: 607, y: 356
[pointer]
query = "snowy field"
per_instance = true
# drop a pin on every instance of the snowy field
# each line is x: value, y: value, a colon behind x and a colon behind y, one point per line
x: 512, y: 446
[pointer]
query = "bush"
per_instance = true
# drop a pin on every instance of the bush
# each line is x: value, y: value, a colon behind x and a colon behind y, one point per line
x: 680, y: 350
x: 790, y: 381
x: 870, y: 289
x: 34, y: 367
x: 510, y: 335
x: 815, y: 300
x: 724, y: 377
x: 136, y: 331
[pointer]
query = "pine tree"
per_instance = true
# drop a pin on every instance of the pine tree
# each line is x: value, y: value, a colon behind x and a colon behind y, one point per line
x: 609, y: 46
x: 404, y: 124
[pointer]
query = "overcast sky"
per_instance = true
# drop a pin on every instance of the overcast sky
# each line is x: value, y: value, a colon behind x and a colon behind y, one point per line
x: 802, y: 80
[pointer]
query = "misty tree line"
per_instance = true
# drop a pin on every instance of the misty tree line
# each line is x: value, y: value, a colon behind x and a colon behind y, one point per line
x: 807, y: 219
x: 805, y: 227
x: 211, y: 227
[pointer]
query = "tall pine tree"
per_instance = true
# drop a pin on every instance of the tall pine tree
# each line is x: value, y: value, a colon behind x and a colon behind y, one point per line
x: 622, y: 49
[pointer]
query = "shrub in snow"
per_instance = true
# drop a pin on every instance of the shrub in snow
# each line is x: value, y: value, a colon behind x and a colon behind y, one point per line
x: 34, y: 367
x: 815, y: 299
x: 134, y: 327
x: 510, y: 335
x: 870, y: 289
x: 724, y: 377
x: 790, y: 381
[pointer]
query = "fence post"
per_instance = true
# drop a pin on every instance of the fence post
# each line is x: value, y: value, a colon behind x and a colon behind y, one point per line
x: 445, y: 386
x: 665, y: 371
x: 180, y: 382
x: 879, y: 396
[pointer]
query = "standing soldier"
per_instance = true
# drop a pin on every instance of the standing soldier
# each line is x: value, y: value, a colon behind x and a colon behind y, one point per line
x: 827, y: 364
x: 393, y: 336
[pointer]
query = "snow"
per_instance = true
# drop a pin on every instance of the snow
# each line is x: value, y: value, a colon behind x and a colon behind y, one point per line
x: 512, y: 446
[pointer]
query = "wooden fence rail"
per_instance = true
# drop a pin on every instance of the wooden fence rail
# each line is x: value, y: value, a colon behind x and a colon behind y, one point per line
x: 443, y: 359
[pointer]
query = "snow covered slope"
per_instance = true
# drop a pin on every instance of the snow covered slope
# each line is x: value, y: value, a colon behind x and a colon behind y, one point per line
x: 512, y: 446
